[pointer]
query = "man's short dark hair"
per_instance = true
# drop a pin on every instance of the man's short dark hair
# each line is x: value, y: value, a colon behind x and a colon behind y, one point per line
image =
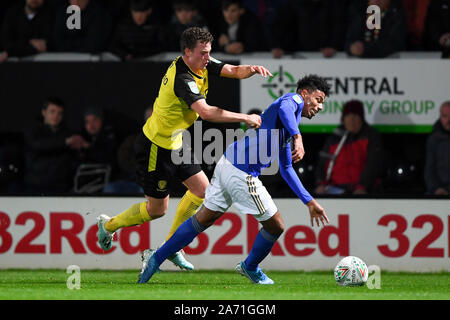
x: 184, y: 5
x: 93, y: 111
x: 53, y: 100
x: 227, y: 3
x: 445, y: 103
x: 190, y: 36
x: 313, y: 82
x: 140, y: 5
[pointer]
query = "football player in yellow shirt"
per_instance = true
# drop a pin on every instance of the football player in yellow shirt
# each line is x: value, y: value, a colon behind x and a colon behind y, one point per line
x: 181, y: 100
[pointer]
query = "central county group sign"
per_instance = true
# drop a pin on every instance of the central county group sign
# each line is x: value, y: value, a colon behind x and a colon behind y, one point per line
x: 398, y: 95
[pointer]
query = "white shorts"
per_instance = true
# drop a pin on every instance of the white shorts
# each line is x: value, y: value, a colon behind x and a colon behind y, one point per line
x: 229, y: 185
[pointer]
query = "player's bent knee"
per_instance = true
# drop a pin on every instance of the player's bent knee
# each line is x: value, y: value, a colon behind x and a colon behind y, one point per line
x: 275, y: 225
x: 206, y: 217
x: 276, y: 229
x: 156, y: 211
x: 280, y: 229
x: 157, y: 214
x: 199, y: 192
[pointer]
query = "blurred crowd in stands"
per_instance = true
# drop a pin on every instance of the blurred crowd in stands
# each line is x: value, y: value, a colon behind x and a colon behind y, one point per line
x: 352, y: 160
x: 133, y: 29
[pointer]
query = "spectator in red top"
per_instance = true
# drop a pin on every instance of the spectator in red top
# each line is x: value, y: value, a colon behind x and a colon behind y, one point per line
x: 416, y: 11
x: 350, y: 159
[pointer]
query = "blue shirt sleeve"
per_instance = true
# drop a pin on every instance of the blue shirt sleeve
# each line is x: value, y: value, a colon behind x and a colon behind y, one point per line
x: 289, y: 175
x: 287, y: 116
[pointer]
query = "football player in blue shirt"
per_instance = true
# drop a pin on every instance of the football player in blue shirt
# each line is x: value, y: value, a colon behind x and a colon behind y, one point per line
x: 235, y: 180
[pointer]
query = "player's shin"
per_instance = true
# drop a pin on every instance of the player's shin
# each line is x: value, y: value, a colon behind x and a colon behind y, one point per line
x: 135, y: 215
x: 184, y: 235
x: 186, y: 208
x: 261, y: 248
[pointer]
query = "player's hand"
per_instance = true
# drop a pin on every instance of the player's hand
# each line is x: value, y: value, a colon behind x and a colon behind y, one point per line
x: 317, y: 213
x: 298, y: 151
x: 253, y: 121
x: 261, y: 70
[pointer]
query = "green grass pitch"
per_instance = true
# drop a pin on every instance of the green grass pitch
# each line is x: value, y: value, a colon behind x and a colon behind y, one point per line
x: 215, y: 285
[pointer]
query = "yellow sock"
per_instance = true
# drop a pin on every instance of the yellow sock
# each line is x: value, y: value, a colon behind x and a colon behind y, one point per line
x: 134, y: 215
x: 186, y: 208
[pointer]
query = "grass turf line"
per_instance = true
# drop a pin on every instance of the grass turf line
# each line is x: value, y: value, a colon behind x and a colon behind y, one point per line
x: 215, y: 285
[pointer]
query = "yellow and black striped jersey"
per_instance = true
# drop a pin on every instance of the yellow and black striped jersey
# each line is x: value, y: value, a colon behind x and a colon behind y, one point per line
x: 180, y: 87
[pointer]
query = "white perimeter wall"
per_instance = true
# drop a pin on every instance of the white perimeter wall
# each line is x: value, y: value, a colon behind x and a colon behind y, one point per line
x: 55, y: 232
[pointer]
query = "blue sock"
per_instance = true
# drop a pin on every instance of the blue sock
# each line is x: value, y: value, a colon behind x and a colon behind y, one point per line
x: 180, y: 239
x: 261, y: 248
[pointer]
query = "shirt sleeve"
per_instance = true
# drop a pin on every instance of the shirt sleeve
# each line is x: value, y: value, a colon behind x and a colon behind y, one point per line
x: 215, y: 66
x: 289, y: 175
x: 287, y: 116
x: 186, y: 88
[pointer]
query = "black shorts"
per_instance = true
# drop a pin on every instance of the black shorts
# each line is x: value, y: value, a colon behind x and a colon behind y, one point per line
x: 156, y: 171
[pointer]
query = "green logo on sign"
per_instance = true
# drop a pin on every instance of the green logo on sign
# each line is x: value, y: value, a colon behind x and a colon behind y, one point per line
x: 281, y: 83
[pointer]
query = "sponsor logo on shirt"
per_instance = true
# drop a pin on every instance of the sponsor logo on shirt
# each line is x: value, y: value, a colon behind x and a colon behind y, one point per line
x: 193, y: 86
x: 297, y: 98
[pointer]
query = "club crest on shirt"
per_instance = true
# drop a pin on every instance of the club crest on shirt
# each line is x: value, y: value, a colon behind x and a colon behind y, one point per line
x: 162, y: 185
x: 193, y: 86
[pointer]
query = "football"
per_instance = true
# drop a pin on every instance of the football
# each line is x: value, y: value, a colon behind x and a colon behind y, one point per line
x: 351, y: 271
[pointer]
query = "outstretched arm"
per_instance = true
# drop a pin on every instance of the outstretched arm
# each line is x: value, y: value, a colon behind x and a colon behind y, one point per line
x: 186, y: 88
x: 289, y: 175
x: 317, y: 213
x: 243, y: 71
x: 216, y: 114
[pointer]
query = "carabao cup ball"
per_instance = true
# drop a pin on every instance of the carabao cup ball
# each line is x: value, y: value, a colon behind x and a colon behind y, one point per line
x: 351, y: 271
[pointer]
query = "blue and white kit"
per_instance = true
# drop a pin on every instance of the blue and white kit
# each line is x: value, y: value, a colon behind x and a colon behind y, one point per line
x: 235, y: 180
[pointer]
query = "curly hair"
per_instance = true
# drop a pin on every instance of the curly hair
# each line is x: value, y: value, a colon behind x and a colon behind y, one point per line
x: 313, y: 82
x: 190, y: 36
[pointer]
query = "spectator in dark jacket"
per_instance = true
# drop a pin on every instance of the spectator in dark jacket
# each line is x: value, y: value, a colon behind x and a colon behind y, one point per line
x: 27, y: 28
x: 437, y: 166
x: 354, y: 167
x: 101, y: 141
x: 127, y: 165
x: 94, y: 32
x: 309, y: 25
x: 49, y: 162
x: 266, y: 11
x: 239, y: 30
x: 139, y: 34
x: 437, y: 27
x: 376, y: 43
x: 186, y: 16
